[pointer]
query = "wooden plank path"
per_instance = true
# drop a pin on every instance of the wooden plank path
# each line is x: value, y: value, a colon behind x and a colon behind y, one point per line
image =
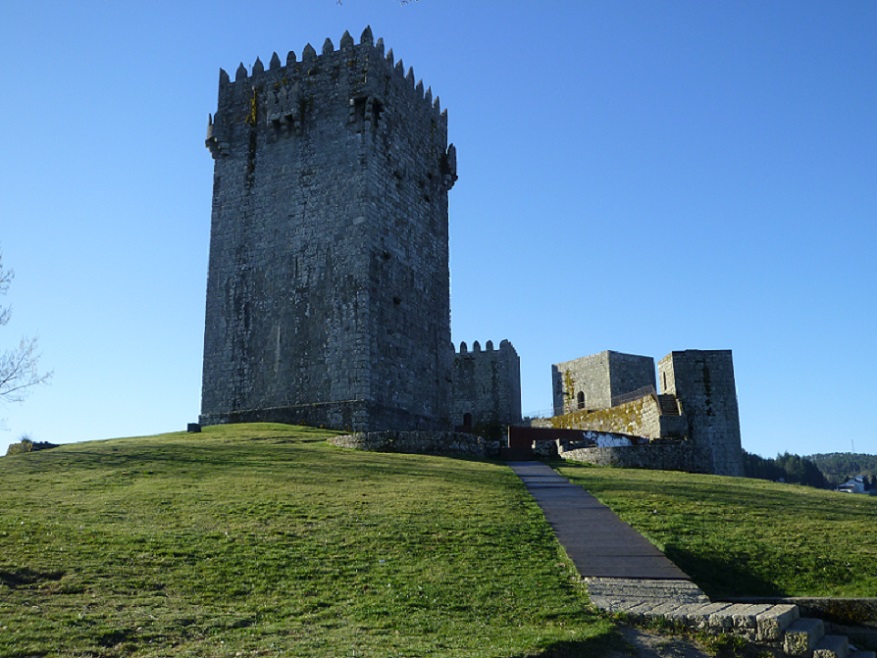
x: 599, y: 543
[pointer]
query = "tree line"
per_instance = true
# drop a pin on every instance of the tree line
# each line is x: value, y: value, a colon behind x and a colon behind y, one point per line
x: 824, y: 471
x: 838, y: 467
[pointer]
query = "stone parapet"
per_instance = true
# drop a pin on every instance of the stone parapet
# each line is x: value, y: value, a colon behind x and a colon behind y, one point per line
x: 420, y: 443
x: 640, y: 417
x: 665, y: 456
x: 343, y: 415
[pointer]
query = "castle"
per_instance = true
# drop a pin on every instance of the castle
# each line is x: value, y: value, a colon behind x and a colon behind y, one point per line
x: 328, y: 289
x: 690, y: 423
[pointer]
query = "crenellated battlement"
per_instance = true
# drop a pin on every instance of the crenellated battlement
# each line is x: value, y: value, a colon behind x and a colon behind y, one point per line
x: 504, y: 346
x: 280, y: 97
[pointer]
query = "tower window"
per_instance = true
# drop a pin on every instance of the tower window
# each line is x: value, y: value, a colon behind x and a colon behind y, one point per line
x: 377, y: 110
x: 580, y: 398
x: 359, y: 109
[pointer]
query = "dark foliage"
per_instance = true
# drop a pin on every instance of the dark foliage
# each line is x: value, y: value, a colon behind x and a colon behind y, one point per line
x: 838, y: 467
x: 785, y: 468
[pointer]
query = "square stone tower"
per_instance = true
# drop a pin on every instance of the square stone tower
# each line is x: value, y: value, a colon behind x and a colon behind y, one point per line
x: 328, y: 296
x: 598, y: 380
x: 486, y: 386
x: 703, y: 382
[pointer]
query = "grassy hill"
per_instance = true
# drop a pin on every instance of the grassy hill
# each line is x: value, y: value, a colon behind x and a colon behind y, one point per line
x: 745, y: 537
x: 263, y: 540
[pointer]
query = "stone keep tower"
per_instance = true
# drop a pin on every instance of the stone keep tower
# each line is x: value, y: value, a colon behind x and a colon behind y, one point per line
x: 328, y: 285
x: 703, y: 382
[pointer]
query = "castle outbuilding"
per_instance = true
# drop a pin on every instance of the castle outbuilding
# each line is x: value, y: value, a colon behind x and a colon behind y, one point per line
x: 486, y: 387
x: 594, y: 382
x: 691, y: 423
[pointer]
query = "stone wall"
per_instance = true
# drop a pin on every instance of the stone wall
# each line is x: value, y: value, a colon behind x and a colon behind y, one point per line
x: 703, y: 382
x: 640, y: 417
x: 340, y: 414
x: 666, y: 456
x: 486, y: 385
x: 420, y: 443
x: 328, y: 297
x: 591, y: 382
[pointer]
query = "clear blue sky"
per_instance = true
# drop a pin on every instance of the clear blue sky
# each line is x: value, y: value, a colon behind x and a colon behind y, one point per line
x: 635, y: 176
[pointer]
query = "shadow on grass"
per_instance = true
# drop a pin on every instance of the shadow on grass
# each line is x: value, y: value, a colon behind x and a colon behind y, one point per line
x: 594, y: 646
x: 720, y: 576
x: 25, y: 577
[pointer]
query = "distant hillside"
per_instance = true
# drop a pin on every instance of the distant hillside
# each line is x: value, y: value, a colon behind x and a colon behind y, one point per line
x: 838, y: 467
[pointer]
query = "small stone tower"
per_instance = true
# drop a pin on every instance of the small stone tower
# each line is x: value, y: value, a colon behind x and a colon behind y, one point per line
x: 599, y: 380
x: 487, y: 386
x: 328, y: 284
x: 703, y: 382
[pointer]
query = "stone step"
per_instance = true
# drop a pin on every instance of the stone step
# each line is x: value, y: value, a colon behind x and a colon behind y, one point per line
x: 625, y: 588
x: 669, y: 406
x: 742, y: 616
x: 832, y: 646
x: 646, y: 610
x: 696, y: 615
x: 773, y: 622
x: 802, y: 636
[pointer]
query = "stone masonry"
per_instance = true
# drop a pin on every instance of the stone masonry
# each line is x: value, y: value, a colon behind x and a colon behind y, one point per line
x: 486, y: 386
x: 647, y: 416
x: 328, y: 285
x: 703, y: 382
x: 693, y: 421
x: 591, y: 382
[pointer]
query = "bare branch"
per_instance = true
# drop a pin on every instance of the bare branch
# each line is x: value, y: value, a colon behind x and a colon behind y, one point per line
x: 5, y: 280
x: 18, y: 367
x: 18, y: 371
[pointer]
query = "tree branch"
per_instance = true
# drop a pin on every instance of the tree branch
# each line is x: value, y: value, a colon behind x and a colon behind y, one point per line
x: 18, y: 367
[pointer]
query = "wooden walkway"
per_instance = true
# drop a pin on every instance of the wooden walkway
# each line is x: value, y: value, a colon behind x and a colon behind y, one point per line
x: 599, y: 543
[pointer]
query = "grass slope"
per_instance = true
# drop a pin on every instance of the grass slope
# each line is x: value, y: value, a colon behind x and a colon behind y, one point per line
x: 743, y: 537
x: 263, y: 540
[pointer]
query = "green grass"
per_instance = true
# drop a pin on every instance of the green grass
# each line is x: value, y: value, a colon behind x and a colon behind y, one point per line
x: 743, y: 537
x: 263, y: 540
